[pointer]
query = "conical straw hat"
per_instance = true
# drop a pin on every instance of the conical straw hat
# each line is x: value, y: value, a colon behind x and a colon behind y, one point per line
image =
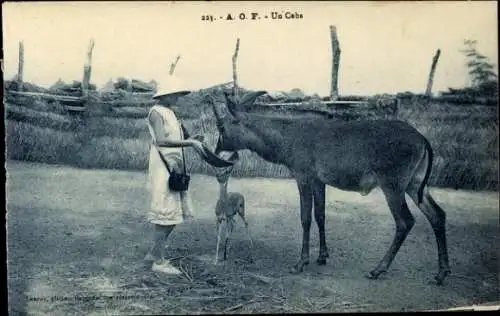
x: 171, y: 85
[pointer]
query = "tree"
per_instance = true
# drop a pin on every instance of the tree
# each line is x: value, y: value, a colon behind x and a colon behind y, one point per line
x: 296, y: 94
x: 481, y: 69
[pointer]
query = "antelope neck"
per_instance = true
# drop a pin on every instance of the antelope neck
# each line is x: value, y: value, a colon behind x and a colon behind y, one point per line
x: 223, y: 190
x: 269, y: 131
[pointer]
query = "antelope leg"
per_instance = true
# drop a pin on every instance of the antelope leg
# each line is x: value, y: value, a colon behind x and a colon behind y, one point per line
x: 319, y: 216
x: 305, y: 217
x: 404, y: 223
x: 437, y: 219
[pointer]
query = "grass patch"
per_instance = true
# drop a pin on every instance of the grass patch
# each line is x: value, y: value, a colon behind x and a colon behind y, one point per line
x: 464, y: 139
x: 113, y: 153
x: 28, y: 142
x: 116, y: 127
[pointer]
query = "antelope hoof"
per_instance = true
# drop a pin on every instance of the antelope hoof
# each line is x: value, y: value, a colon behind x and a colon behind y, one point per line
x: 299, y: 267
x: 375, y: 274
x: 441, y: 276
x: 321, y: 261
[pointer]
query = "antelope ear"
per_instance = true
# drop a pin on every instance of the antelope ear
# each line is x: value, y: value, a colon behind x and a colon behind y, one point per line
x: 231, y: 106
x: 249, y: 98
x: 227, y: 97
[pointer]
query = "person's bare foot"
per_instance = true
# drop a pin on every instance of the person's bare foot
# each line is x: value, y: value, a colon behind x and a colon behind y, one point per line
x: 165, y: 267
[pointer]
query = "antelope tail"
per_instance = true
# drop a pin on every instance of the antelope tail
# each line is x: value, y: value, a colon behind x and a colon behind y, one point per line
x: 430, y: 157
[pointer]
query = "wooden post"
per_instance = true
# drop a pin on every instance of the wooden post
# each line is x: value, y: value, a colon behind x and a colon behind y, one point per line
x: 20, y: 67
x: 235, y: 77
x: 174, y: 64
x: 87, y: 69
x: 129, y: 89
x: 334, y: 91
x: 431, y: 74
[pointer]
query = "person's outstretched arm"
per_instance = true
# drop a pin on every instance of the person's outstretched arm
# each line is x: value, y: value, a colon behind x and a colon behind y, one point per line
x: 195, y: 142
x: 162, y: 140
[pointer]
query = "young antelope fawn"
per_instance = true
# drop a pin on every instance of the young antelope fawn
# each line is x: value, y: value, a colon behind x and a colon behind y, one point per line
x: 228, y: 205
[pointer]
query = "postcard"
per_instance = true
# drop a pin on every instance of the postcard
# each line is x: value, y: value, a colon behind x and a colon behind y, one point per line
x: 251, y: 157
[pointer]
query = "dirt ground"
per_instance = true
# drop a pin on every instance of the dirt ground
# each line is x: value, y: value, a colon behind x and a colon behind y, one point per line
x: 76, y: 240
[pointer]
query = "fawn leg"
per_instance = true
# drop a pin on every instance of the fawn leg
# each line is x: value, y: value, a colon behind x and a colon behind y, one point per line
x: 241, y: 212
x: 247, y: 228
x: 229, y: 230
x: 219, y: 231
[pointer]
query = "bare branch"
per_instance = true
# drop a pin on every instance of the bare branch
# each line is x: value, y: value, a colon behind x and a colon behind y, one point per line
x: 334, y: 91
x: 235, y: 78
x: 20, y: 69
x: 174, y: 64
x: 87, y: 69
x: 432, y: 72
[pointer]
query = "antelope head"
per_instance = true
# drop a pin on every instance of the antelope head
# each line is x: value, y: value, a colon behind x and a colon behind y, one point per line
x: 223, y: 174
x: 234, y: 135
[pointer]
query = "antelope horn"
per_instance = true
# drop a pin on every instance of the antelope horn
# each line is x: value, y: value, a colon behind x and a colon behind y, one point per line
x: 249, y: 98
x: 213, y: 159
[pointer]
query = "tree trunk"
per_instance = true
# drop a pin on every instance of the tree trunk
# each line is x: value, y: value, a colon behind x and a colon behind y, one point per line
x: 20, y: 67
x: 430, y: 81
x: 235, y: 77
x: 334, y: 91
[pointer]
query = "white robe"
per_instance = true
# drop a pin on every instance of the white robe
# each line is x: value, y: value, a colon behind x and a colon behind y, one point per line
x: 167, y: 207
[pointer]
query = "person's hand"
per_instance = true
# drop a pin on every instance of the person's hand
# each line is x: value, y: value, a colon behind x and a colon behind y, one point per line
x: 198, y: 145
x: 175, y: 164
x: 198, y: 137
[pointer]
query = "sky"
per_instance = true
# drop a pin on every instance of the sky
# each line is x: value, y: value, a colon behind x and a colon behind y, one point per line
x: 387, y: 47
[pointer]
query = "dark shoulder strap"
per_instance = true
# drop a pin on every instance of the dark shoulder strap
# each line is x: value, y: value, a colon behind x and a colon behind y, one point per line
x: 185, y: 131
x: 183, y: 136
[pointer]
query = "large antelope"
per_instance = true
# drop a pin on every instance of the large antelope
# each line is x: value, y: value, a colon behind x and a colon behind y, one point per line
x: 353, y: 156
